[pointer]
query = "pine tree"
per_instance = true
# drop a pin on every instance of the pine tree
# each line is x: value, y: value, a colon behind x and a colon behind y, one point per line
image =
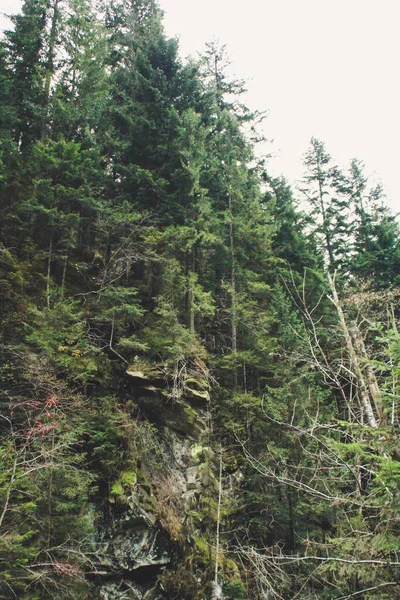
x: 27, y: 45
x: 78, y: 99
x: 375, y: 255
x: 143, y: 242
x: 291, y: 242
x: 328, y: 210
x: 144, y: 85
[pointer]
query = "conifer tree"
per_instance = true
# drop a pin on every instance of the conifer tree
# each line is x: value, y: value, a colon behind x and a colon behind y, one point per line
x: 328, y: 210
x: 27, y: 45
x: 80, y: 92
x: 142, y: 242
x: 375, y: 255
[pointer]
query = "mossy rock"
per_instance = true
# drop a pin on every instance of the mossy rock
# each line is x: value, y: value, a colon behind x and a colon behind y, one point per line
x: 173, y: 414
x: 196, y: 451
x: 141, y: 372
x: 197, y: 391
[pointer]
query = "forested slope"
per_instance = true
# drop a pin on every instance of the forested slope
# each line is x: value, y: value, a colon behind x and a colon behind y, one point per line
x: 200, y: 375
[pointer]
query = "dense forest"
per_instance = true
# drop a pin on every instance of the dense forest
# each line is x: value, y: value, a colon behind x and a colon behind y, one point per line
x: 200, y: 367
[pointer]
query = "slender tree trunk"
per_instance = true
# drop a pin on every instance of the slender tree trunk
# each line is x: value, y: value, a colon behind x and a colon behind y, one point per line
x: 9, y: 489
x: 191, y: 312
x: 64, y: 273
x: 217, y: 591
x: 50, y: 508
x: 372, y: 381
x: 354, y: 358
x: 50, y: 64
x: 233, y: 293
x: 49, y: 268
x: 394, y: 386
x: 191, y: 284
x: 291, y: 520
x: 393, y: 371
x: 325, y: 223
x: 110, y: 344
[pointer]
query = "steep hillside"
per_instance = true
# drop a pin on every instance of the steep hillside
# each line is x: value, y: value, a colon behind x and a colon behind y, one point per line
x: 200, y: 382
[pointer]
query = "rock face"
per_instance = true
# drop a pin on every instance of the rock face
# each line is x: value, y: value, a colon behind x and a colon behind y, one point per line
x: 128, y: 591
x: 181, y: 408
x: 138, y: 552
x: 138, y: 543
x: 145, y: 523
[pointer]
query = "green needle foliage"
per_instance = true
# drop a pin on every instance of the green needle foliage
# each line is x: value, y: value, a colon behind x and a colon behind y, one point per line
x: 165, y: 301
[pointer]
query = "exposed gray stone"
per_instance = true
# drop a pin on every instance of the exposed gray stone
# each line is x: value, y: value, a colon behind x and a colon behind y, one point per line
x: 191, y: 477
x: 134, y: 545
x: 125, y: 590
x: 189, y: 499
x: 140, y: 546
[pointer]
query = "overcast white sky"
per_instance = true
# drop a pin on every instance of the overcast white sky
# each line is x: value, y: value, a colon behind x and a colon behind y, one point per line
x: 328, y: 68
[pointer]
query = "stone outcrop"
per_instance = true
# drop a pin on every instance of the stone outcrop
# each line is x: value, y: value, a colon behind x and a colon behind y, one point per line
x: 180, y: 407
x: 145, y: 522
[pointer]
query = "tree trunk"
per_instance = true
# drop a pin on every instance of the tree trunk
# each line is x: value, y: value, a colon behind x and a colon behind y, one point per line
x: 49, y: 268
x: 217, y: 590
x: 233, y: 294
x: 371, y: 379
x: 64, y: 272
x: 191, y: 285
x: 50, y: 65
x: 354, y: 358
x: 325, y: 223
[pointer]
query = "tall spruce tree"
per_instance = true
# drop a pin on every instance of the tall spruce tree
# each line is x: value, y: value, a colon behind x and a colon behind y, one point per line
x: 27, y: 48
x: 327, y: 209
x: 375, y: 255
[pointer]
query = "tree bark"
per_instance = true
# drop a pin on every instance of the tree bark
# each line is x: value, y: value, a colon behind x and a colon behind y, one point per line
x: 50, y: 64
x: 371, y: 379
x: 49, y: 269
x: 354, y: 358
x: 233, y: 293
x: 217, y: 591
x: 325, y: 223
x: 191, y: 285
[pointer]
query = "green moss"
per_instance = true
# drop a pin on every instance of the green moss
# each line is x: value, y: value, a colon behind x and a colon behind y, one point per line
x: 202, y: 550
x: 190, y: 413
x: 121, y: 488
x: 196, y: 451
x: 235, y: 590
x: 201, y: 545
x: 128, y: 479
x: 117, y: 491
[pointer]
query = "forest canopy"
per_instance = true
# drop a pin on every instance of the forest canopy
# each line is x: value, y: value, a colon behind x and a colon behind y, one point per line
x: 200, y: 365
